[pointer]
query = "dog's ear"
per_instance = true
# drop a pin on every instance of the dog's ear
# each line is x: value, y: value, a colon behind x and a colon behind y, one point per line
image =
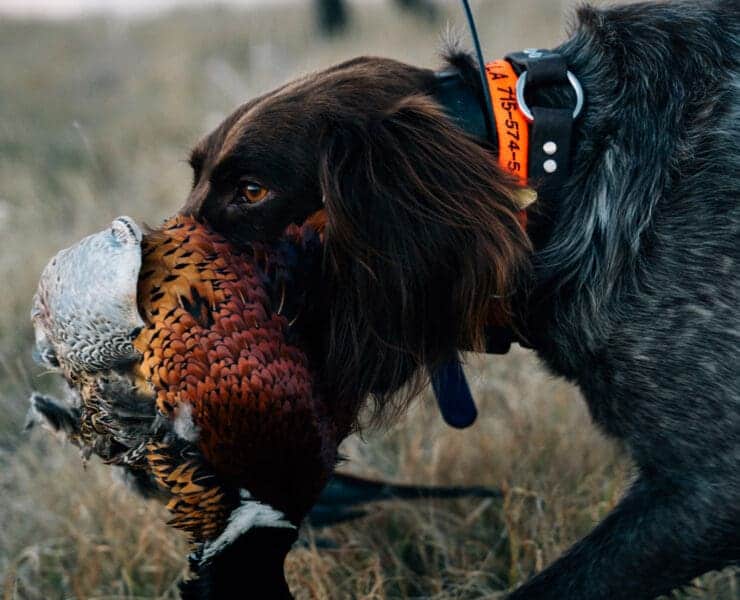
x: 422, y: 246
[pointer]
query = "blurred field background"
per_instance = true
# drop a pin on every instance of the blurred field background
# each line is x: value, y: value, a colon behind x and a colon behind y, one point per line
x: 96, y: 118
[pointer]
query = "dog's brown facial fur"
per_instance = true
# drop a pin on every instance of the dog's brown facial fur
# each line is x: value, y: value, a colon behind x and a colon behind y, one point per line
x: 277, y: 140
x: 422, y: 244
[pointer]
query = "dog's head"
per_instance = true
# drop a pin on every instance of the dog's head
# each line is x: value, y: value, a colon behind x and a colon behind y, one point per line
x: 422, y: 243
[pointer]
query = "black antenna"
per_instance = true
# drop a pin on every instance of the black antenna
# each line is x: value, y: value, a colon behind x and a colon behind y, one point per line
x: 490, y: 121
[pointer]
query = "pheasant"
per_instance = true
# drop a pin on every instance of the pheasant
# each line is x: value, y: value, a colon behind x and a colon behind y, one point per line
x: 188, y: 368
x: 193, y: 381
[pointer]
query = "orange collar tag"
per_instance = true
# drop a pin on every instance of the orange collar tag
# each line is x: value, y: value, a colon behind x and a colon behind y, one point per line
x: 511, y: 126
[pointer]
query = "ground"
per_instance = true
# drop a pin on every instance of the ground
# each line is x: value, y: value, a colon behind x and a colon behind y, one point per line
x: 96, y: 118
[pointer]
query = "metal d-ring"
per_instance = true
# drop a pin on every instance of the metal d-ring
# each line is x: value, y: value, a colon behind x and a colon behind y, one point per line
x: 521, y: 83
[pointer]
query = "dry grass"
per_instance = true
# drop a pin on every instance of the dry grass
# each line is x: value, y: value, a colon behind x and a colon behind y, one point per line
x: 95, y: 119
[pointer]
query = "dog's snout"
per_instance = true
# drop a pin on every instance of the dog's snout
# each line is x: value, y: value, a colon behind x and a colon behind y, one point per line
x: 196, y: 200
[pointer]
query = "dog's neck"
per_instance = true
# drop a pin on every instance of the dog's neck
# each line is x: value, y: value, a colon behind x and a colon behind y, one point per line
x: 538, y: 151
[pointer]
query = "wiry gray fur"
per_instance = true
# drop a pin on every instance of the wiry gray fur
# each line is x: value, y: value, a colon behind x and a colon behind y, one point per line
x: 636, y: 297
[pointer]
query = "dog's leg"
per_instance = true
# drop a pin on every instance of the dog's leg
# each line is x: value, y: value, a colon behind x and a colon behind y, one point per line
x: 659, y: 537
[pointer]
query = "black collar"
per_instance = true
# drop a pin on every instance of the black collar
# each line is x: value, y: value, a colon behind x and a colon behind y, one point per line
x: 549, y: 154
x: 551, y: 127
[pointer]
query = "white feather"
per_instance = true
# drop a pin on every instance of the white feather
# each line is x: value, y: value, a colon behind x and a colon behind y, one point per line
x: 251, y: 513
x: 183, y: 425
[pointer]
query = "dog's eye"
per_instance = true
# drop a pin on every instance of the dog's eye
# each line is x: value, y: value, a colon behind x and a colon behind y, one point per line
x: 253, y: 192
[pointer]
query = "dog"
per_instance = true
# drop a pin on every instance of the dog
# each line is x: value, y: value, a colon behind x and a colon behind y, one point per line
x: 625, y: 281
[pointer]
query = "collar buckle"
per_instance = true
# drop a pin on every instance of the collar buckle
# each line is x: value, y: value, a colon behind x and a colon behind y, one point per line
x: 521, y: 85
x: 552, y: 127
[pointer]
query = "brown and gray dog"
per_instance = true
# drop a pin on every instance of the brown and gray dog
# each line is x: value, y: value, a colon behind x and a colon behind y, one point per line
x: 626, y: 282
